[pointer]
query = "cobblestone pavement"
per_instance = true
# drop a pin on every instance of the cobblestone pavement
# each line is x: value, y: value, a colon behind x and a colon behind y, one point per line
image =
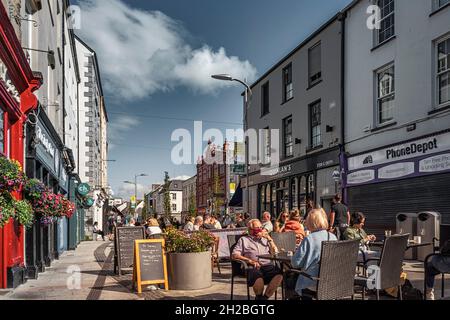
x: 94, y: 261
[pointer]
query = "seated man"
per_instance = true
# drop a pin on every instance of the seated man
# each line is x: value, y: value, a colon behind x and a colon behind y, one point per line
x: 264, y: 272
x: 438, y: 264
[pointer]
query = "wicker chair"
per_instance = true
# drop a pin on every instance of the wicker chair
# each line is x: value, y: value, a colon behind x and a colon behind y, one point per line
x: 284, y: 241
x: 390, y: 265
x: 444, y: 237
x: 215, y: 259
x: 336, y: 270
x: 238, y: 268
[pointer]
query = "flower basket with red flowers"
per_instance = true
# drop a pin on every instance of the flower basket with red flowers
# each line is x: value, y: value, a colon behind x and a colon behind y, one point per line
x: 12, y: 177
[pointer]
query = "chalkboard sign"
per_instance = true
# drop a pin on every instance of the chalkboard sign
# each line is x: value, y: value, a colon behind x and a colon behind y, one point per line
x: 124, y: 246
x: 149, y: 263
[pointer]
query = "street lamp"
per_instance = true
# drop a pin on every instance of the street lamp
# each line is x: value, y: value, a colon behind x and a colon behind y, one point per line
x: 135, y: 182
x: 247, y: 98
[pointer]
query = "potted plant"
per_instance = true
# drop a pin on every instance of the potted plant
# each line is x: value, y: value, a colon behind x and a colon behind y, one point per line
x: 189, y: 259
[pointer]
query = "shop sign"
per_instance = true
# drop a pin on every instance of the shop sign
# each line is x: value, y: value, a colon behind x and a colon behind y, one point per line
x: 10, y: 87
x: 362, y: 176
x: 397, y: 170
x: 46, y: 149
x: 276, y: 170
x: 418, y: 148
x: 83, y: 189
x: 435, y: 164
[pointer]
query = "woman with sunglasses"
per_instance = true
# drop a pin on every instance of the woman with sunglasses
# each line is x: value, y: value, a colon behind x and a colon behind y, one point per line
x: 281, y: 221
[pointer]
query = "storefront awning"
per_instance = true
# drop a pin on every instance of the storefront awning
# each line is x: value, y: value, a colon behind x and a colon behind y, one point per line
x: 236, y: 201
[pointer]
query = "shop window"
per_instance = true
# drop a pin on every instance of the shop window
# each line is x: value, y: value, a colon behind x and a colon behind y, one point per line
x: 311, y: 185
x: 274, y: 200
x: 267, y: 201
x: 294, y: 193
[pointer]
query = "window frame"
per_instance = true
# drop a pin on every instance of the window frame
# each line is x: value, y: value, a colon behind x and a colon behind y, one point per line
x: 435, y: 6
x: 380, y: 99
x: 313, y: 125
x: 382, y: 19
x: 286, y: 83
x: 265, y: 101
x: 285, y: 135
x: 266, y: 146
x: 438, y: 74
x: 312, y: 82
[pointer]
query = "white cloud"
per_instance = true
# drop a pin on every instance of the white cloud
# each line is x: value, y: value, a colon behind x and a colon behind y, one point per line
x: 127, y: 190
x: 142, y: 52
x: 118, y: 126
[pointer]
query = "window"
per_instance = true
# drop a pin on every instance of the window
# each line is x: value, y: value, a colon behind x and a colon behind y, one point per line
x: 174, y: 207
x: 386, y: 94
x: 443, y: 71
x: 315, y: 64
x: 315, y: 123
x: 174, y: 196
x: 287, y: 137
x: 437, y: 4
x: 266, y: 143
x: 288, y: 88
x: 265, y: 99
x: 387, y: 20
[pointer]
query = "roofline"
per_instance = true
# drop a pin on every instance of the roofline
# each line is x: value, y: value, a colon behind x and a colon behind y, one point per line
x: 300, y: 46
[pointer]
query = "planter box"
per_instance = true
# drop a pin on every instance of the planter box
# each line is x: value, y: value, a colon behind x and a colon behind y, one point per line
x: 189, y: 271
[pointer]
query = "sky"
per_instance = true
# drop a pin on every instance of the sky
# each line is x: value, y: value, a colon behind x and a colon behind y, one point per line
x: 156, y: 58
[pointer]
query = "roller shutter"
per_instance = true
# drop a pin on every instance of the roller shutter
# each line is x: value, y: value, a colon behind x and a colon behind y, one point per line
x: 380, y: 203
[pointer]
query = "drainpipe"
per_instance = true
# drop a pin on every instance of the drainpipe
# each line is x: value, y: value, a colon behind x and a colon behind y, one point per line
x: 342, y: 156
x: 63, y: 90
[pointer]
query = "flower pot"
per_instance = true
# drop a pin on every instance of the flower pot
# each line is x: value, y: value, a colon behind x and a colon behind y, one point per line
x: 189, y: 271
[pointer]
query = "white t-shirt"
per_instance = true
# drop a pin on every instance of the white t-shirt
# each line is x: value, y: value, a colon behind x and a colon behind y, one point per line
x: 153, y: 230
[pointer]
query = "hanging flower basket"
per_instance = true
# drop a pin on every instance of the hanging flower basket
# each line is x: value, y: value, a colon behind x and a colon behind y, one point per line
x: 11, y: 176
x: 6, y: 209
x: 24, y: 213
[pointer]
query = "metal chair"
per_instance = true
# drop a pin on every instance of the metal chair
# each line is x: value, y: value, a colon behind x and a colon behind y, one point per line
x: 285, y: 241
x: 215, y: 259
x: 444, y: 237
x: 238, y: 268
x: 336, y: 270
x: 390, y: 266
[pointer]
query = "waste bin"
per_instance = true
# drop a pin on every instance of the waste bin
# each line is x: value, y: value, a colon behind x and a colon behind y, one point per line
x: 407, y: 223
x: 428, y: 228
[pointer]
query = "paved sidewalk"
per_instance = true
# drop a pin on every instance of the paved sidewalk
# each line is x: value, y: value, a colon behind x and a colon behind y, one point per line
x: 94, y: 261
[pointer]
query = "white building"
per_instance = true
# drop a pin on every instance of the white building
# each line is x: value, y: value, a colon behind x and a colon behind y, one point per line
x: 189, y: 193
x: 92, y: 123
x: 397, y: 110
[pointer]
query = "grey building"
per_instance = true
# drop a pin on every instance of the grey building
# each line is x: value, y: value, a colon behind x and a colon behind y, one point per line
x: 189, y: 194
x: 397, y: 110
x: 300, y: 96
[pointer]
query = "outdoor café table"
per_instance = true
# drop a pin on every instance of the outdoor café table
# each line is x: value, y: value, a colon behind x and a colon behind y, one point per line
x: 411, y: 244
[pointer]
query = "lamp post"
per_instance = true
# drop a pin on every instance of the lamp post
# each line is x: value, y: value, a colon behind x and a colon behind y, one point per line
x: 247, y: 98
x: 135, y: 182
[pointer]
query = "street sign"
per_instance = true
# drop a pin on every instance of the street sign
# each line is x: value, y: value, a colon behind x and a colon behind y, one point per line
x: 83, y: 189
x: 133, y: 202
x: 89, y: 202
x: 238, y: 169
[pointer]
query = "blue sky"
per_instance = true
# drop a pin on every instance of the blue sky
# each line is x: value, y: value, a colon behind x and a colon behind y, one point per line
x: 155, y: 58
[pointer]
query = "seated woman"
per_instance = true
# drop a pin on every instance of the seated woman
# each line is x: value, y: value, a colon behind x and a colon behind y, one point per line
x: 437, y: 265
x: 294, y: 225
x: 356, y: 232
x: 153, y: 228
x: 307, y: 256
x: 280, y: 222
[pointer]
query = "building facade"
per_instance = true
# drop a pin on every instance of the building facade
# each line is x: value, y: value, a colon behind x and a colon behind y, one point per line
x: 189, y: 195
x: 93, y: 122
x: 17, y: 86
x: 211, y: 185
x: 397, y: 116
x: 301, y: 97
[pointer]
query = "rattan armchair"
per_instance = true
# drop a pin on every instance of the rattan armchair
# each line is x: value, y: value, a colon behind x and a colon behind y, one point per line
x: 336, y: 270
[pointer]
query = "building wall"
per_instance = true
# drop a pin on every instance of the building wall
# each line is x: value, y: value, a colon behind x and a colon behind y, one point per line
x: 328, y: 91
x: 189, y: 188
x: 413, y: 53
x: 46, y: 36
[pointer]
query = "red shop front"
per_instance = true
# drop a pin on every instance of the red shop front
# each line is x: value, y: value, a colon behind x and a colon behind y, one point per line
x: 17, y: 84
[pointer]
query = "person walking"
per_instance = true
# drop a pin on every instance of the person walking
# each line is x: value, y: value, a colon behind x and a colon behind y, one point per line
x: 339, y: 217
x: 97, y: 231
